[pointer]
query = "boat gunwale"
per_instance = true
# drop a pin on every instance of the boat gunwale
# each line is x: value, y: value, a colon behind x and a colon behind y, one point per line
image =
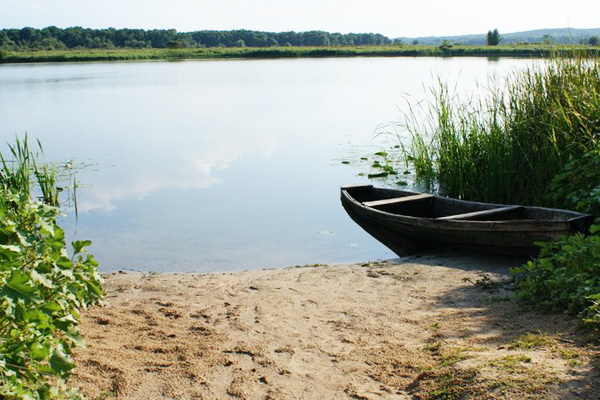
x: 574, y: 215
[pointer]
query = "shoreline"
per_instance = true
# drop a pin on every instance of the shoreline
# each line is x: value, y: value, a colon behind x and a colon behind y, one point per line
x: 397, y: 329
x: 218, y: 53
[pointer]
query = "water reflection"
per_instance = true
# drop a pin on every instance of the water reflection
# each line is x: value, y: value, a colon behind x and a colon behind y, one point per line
x: 220, y: 165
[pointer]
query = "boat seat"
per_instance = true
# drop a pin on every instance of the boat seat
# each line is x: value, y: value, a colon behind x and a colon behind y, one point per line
x: 482, y: 213
x: 395, y: 200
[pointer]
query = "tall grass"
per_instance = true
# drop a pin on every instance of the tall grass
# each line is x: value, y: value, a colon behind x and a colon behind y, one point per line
x: 21, y: 174
x: 508, y: 146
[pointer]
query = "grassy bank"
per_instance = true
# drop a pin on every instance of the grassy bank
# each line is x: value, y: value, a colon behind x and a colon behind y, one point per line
x: 280, y: 52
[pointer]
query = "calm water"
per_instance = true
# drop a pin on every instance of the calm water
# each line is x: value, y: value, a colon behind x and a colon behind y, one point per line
x: 220, y: 165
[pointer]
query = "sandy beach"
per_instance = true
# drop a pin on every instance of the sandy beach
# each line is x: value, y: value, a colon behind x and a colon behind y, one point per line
x: 430, y: 327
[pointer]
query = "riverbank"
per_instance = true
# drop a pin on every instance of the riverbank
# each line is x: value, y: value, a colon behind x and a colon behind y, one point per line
x: 424, y: 328
x: 128, y: 54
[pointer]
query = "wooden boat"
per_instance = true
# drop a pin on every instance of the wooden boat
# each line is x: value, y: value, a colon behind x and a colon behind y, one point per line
x: 409, y: 222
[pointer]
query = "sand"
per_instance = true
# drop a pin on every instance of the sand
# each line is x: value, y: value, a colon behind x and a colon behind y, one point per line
x: 401, y: 329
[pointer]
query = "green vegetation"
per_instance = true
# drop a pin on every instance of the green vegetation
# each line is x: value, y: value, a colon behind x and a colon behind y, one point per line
x: 457, y: 372
x: 41, y: 287
x: 577, y: 185
x: 535, y: 143
x: 565, y: 277
x: 52, y: 44
x: 124, y: 54
x: 566, y: 274
x: 565, y: 36
x: 55, y: 38
x: 493, y: 38
x: 508, y: 148
x: 533, y: 340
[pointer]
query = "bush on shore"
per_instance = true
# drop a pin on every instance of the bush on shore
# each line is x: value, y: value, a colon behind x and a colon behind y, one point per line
x: 41, y: 287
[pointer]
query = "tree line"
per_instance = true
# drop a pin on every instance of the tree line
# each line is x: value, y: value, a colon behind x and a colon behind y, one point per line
x: 53, y: 38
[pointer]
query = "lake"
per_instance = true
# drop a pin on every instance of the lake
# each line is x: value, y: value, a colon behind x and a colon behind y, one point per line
x: 210, y: 166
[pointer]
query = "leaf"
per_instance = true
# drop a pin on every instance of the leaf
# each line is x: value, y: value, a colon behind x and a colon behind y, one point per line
x: 35, y: 316
x: 18, y: 286
x: 41, y: 279
x: 11, y: 248
x: 39, y: 351
x: 74, y: 334
x: 61, y: 362
x: 79, y: 245
x: 95, y: 288
x: 378, y: 175
x: 51, y: 306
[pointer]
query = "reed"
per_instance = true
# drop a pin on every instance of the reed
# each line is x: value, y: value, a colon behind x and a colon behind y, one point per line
x: 22, y: 174
x: 508, y: 146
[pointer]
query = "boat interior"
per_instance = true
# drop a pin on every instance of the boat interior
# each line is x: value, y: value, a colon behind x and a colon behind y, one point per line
x: 422, y: 205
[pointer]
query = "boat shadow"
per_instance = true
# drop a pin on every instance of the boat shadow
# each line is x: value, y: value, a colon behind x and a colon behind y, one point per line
x: 466, y: 260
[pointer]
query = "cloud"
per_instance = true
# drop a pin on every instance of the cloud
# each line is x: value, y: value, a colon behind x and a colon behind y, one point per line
x: 194, y: 171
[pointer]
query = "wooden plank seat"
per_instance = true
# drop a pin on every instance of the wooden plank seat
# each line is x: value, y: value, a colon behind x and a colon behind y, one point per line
x: 396, y: 200
x: 481, y: 213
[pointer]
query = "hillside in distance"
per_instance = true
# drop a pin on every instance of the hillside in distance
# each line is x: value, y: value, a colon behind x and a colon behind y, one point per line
x: 558, y: 36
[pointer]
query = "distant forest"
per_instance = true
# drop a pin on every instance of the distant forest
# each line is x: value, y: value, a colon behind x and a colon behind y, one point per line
x: 53, y: 38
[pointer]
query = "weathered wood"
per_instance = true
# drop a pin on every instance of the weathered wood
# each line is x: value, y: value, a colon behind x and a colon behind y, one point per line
x: 395, y: 200
x: 357, y: 186
x: 448, y: 223
x: 482, y: 213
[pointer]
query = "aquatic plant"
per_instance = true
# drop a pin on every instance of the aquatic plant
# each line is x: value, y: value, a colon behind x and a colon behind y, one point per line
x: 508, y: 147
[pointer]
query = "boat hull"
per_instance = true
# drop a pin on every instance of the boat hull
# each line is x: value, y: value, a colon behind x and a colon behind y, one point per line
x: 432, y: 222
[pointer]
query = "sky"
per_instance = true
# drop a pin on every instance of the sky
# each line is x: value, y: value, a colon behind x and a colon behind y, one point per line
x: 392, y: 18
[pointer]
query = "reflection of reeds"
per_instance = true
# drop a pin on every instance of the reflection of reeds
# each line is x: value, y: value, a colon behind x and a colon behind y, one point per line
x: 508, y: 147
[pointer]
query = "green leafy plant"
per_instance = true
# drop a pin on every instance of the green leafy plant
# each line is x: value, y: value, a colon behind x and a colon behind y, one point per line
x: 565, y: 277
x: 577, y: 185
x: 41, y: 287
x: 383, y: 166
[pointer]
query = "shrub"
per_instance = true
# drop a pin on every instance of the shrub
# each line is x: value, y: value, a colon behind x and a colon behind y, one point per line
x: 577, y: 185
x: 41, y: 287
x: 565, y: 277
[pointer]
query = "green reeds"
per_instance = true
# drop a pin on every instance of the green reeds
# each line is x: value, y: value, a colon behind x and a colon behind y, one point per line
x: 21, y: 174
x: 507, y: 147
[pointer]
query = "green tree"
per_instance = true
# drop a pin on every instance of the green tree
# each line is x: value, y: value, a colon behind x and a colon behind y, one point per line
x: 493, y: 38
x: 547, y: 39
x: 594, y: 41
